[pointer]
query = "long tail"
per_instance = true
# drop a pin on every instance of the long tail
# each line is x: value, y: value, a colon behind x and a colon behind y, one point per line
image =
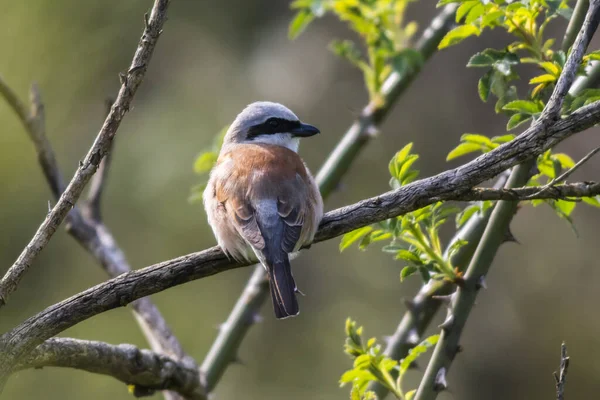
x: 283, y: 289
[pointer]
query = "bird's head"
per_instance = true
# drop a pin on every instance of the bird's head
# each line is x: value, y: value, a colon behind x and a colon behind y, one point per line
x: 271, y: 123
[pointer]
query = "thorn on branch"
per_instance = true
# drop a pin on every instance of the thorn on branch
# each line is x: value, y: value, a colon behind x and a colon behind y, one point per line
x: 448, y: 322
x: 440, y: 384
x: 509, y: 237
x: 146, y: 22
x: 256, y: 318
x: 413, y: 337
x: 481, y: 284
x: 123, y: 78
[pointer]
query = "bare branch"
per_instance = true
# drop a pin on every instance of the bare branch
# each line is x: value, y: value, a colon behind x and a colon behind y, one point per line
x: 90, y: 163
x: 590, y: 24
x: 147, y: 370
x: 86, y: 226
x: 561, y: 376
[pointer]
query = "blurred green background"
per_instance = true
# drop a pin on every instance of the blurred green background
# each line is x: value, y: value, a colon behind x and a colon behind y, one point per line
x: 212, y: 60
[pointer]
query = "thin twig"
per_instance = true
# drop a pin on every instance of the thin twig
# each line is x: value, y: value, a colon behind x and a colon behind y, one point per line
x: 561, y: 377
x: 144, y: 369
x: 565, y: 175
x: 225, y: 347
x: 88, y: 166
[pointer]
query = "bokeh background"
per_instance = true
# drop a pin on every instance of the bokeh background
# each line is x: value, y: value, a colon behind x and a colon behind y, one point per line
x: 212, y: 60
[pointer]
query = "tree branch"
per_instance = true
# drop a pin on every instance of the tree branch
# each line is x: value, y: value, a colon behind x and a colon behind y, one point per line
x: 147, y: 370
x: 133, y: 285
x: 494, y: 235
x: 130, y: 82
x: 244, y: 314
x: 85, y: 224
x: 561, y: 376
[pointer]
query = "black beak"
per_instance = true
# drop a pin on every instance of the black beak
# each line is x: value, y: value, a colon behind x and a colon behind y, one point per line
x: 305, y: 130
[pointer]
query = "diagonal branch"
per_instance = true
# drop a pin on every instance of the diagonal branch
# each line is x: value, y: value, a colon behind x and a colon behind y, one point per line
x: 120, y: 291
x: 145, y: 370
x: 244, y: 314
x: 130, y: 83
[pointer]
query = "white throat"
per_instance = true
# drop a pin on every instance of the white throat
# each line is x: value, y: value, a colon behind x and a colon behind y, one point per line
x: 278, y: 139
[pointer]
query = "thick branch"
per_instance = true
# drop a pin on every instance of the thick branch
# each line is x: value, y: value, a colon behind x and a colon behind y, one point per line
x: 130, y: 82
x: 140, y: 283
x: 147, y: 370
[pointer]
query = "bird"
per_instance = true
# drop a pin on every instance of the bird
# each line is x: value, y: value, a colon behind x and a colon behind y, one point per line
x: 261, y: 199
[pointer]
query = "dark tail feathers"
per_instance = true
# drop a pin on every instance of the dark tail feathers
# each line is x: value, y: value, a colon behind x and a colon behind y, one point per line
x: 283, y: 289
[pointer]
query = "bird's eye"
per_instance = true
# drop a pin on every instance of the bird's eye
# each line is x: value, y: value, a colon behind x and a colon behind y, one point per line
x: 273, y: 123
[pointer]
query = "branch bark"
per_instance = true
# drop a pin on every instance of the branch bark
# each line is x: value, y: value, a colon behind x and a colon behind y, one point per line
x: 133, y: 285
x: 147, y: 371
x: 130, y: 83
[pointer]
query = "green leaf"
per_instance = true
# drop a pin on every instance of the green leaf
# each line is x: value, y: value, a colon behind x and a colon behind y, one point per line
x: 410, y: 395
x: 458, y: 34
x: 566, y: 207
x: 483, y: 87
x: 516, y: 120
x: 352, y: 237
x: 491, y: 18
x: 475, y: 12
x: 476, y: 138
x: 407, y: 255
x: 464, y: 8
x: 205, y: 161
x: 523, y: 106
x: 407, y: 271
x: 302, y: 19
x: 546, y: 78
x: 551, y: 67
x: 462, y: 149
x: 466, y: 214
x: 416, y: 352
x: 592, y: 201
x: 442, y: 3
x: 480, y: 60
x: 566, y: 162
x: 503, y: 139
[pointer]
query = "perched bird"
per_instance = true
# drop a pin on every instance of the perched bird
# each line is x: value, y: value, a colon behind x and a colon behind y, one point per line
x: 261, y: 198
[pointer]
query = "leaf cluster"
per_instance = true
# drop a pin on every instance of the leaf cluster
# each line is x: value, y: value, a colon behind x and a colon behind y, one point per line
x: 379, y: 24
x: 370, y: 364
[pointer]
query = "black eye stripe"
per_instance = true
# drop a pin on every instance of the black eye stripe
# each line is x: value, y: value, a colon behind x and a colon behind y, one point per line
x: 272, y: 126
